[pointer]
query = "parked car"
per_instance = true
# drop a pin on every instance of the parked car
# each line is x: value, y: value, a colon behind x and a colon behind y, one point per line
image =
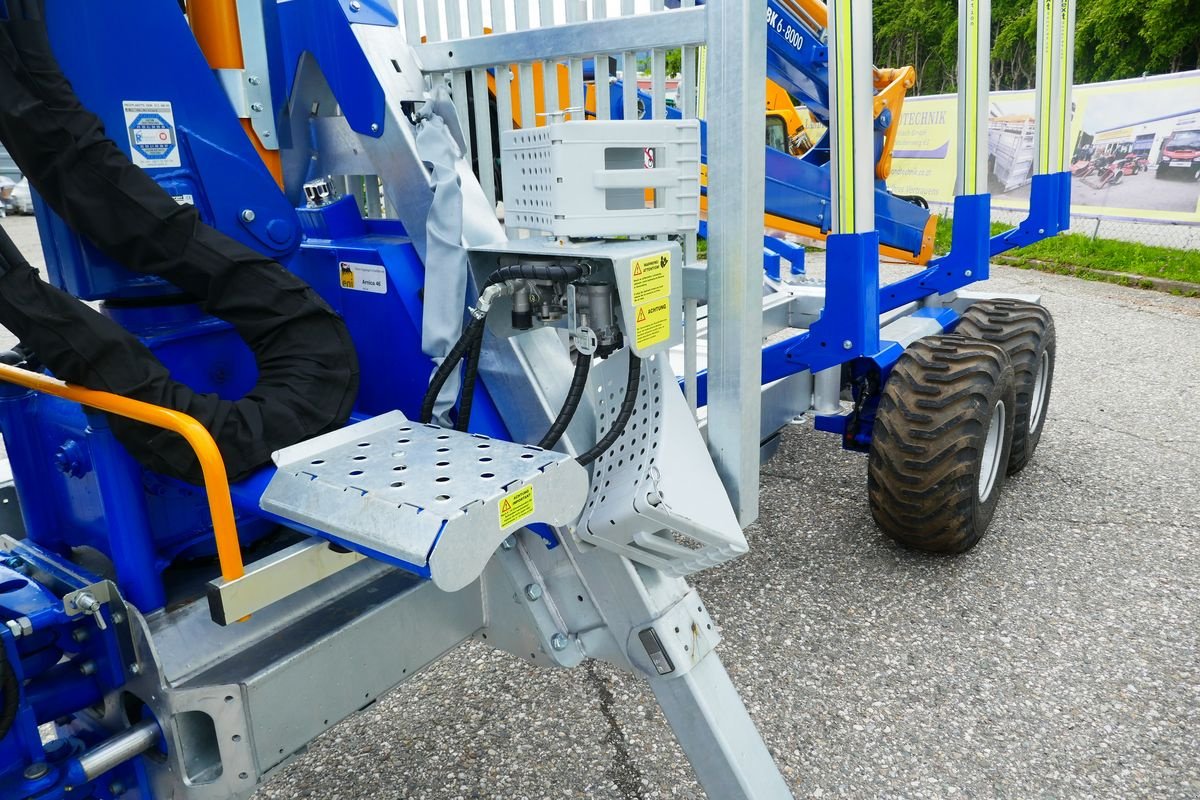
x: 21, y: 198
x: 1180, y: 154
x: 6, y: 189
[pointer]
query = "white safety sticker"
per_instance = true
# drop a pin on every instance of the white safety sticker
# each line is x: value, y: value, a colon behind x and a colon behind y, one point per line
x: 184, y: 199
x: 153, y: 140
x: 363, y: 277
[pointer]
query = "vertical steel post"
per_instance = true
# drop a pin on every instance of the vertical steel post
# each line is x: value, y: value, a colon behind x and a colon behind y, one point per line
x: 852, y: 164
x: 851, y: 115
x: 485, y: 156
x: 528, y: 95
x: 1054, y: 65
x: 576, y: 12
x: 504, y: 110
x: 458, y: 79
x: 974, y: 61
x: 629, y: 73
x: 736, y: 183
x: 688, y: 98
x: 603, y: 72
x: 551, y: 105
x: 1066, y: 76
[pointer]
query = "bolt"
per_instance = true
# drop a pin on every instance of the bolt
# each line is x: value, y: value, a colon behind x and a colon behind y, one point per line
x: 87, y: 668
x: 35, y: 771
x: 559, y: 642
x: 1041, y: 230
x: 86, y: 602
x: 967, y: 273
x: 248, y: 215
x: 509, y: 543
x: 118, y: 618
x: 374, y: 127
x: 14, y: 562
x: 847, y: 345
x: 355, y: 5
x: 256, y: 107
x: 135, y: 669
x: 533, y: 591
x: 253, y: 80
x: 80, y: 635
x: 14, y: 628
x: 116, y: 788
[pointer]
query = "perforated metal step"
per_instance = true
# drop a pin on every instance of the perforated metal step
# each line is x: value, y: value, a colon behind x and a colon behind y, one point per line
x: 431, y: 500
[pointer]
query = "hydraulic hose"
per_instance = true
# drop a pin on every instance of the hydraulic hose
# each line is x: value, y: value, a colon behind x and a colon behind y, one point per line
x: 538, y: 272
x: 470, y: 374
x: 470, y: 343
x: 628, y: 403
x: 570, y: 405
x: 448, y: 365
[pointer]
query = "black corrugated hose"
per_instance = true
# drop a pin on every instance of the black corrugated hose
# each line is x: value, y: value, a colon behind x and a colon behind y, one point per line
x: 469, y: 346
x: 456, y: 354
x: 628, y: 403
x: 470, y: 374
x: 583, y: 365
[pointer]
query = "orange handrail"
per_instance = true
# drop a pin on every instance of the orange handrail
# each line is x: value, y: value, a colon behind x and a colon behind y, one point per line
x: 212, y: 465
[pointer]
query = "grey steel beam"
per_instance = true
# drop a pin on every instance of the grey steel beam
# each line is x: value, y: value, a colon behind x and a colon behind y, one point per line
x: 736, y: 183
x: 715, y: 730
x: 578, y: 40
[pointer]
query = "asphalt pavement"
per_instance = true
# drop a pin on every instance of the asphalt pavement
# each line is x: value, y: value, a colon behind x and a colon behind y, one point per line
x: 1058, y: 659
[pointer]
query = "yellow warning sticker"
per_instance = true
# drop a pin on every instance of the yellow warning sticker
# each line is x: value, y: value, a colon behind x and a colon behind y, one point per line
x: 653, y: 323
x: 651, y: 277
x: 517, y: 506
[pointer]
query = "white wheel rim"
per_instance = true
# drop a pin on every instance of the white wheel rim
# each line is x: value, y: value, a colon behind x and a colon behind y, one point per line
x: 1039, y: 391
x: 989, y: 466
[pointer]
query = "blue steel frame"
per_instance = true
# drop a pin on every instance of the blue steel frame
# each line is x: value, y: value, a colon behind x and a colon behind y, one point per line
x: 78, y: 486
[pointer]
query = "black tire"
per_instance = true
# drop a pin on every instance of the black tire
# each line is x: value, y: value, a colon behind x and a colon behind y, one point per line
x: 930, y: 443
x: 1026, y: 332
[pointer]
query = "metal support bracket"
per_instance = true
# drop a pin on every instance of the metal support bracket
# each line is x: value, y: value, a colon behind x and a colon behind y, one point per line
x: 966, y: 263
x: 849, y: 326
x: 1049, y: 213
x: 275, y: 577
x: 255, y: 78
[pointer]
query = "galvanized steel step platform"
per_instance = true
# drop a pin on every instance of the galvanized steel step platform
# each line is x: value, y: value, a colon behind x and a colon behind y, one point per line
x: 434, y: 501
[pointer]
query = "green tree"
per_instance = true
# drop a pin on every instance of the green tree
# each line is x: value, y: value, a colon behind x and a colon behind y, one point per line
x: 1114, y: 39
x: 674, y: 63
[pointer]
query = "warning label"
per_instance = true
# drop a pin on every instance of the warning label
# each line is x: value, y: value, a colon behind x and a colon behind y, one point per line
x: 516, y: 507
x: 152, y: 139
x: 653, y: 323
x: 651, y: 277
x: 363, y: 277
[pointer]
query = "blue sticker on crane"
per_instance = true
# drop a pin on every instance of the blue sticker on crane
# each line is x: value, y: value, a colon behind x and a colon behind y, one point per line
x: 152, y: 138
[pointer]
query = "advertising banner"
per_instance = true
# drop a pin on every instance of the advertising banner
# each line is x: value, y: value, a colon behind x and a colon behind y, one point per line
x: 1135, y: 149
